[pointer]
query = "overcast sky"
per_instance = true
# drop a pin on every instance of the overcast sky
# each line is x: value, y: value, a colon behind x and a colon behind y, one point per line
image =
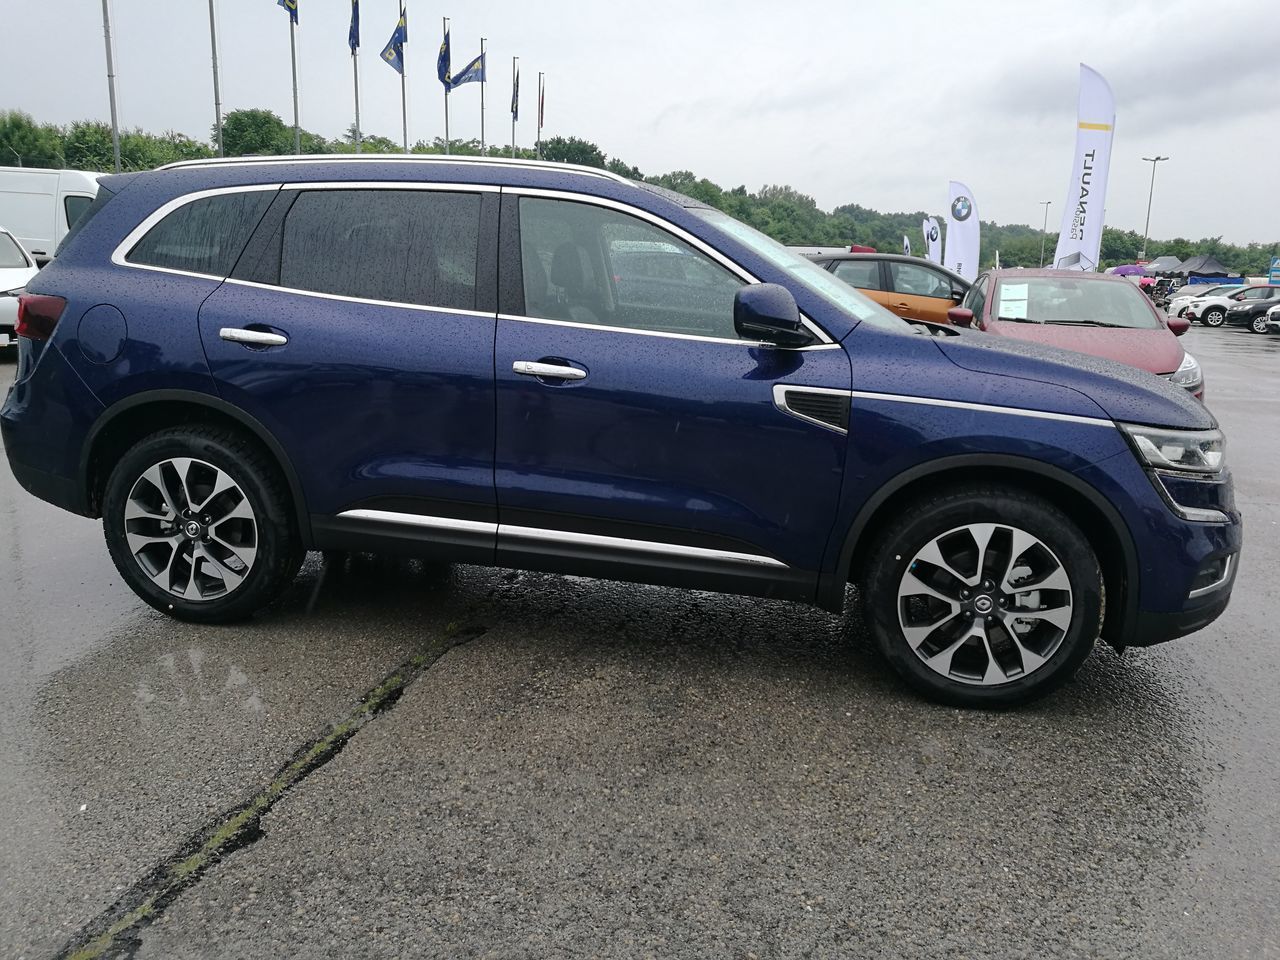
x: 868, y: 102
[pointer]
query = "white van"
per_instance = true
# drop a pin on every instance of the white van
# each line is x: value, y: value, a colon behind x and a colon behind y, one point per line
x: 39, y: 206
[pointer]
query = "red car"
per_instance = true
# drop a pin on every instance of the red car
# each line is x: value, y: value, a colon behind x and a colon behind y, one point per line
x: 1092, y: 313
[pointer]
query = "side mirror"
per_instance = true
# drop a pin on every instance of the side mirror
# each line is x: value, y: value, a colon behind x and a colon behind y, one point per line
x: 960, y: 316
x: 768, y: 312
x: 957, y: 295
x: 1179, y: 325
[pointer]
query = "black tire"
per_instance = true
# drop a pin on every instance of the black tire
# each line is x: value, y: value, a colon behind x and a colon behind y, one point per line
x: 1258, y: 324
x: 896, y: 549
x: 1214, y: 317
x: 277, y: 545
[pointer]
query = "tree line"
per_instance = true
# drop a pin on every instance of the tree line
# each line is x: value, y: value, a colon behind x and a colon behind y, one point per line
x: 782, y: 212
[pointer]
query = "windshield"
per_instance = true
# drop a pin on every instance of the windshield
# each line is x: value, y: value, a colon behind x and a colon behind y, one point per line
x: 805, y: 272
x: 1084, y: 300
x: 11, y: 255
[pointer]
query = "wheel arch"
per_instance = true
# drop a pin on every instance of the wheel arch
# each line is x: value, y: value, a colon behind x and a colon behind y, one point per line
x: 1098, y: 520
x: 129, y: 420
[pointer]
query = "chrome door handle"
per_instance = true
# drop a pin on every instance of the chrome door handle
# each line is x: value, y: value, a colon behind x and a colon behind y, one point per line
x: 530, y: 368
x: 256, y: 338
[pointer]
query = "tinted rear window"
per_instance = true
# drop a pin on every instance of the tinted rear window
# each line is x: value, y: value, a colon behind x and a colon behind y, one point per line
x: 204, y: 236
x: 400, y: 246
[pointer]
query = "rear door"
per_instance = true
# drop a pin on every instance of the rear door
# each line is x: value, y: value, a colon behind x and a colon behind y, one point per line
x: 637, y: 436
x: 867, y: 275
x: 919, y: 292
x: 358, y: 329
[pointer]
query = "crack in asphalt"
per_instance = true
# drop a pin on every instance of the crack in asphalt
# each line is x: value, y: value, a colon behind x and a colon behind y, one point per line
x: 116, y: 932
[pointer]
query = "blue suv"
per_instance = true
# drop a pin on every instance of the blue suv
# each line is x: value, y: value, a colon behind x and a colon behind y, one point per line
x: 554, y: 368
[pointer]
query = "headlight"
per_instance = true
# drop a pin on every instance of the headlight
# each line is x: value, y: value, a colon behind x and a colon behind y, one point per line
x: 1191, y: 451
x: 1188, y: 374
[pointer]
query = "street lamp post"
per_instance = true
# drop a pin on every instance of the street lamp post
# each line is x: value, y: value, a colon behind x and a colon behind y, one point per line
x: 1146, y: 231
x: 1044, y: 230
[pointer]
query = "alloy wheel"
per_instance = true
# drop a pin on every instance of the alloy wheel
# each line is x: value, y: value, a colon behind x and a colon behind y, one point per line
x: 985, y: 604
x: 191, y: 529
x: 1259, y: 324
x: 1214, y: 317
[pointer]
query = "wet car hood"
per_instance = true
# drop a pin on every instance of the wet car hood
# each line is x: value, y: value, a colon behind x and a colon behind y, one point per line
x: 1121, y: 391
x: 1155, y: 350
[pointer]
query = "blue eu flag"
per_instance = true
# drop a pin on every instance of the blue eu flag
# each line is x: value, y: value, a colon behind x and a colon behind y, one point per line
x: 473, y: 72
x: 291, y: 6
x: 353, y: 35
x: 442, y: 63
x: 393, y: 52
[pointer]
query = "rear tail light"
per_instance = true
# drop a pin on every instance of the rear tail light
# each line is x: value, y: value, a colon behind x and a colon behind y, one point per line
x: 38, y: 315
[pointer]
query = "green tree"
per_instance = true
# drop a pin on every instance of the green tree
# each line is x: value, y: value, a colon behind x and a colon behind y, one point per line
x: 255, y: 132
x: 25, y: 143
x: 573, y: 150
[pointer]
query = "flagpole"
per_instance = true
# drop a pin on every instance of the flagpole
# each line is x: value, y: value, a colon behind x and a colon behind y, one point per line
x: 444, y: 24
x: 293, y: 58
x: 217, y: 97
x: 111, y: 83
x: 514, y: 96
x: 355, y: 74
x: 540, y: 76
x: 483, y: 74
x: 404, y: 96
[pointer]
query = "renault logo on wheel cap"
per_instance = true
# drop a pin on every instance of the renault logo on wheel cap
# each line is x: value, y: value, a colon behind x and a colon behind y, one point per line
x: 193, y: 529
x: 982, y: 604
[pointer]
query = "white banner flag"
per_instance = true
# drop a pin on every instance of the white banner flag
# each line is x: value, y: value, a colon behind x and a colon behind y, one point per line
x: 932, y: 240
x: 1080, y: 241
x: 906, y: 245
x: 963, y: 233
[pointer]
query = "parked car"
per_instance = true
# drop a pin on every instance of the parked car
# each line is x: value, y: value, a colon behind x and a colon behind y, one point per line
x: 1095, y: 313
x: 1273, y: 320
x: 233, y: 362
x: 16, y: 268
x: 1181, y: 298
x: 1212, y: 310
x: 40, y: 206
x: 1251, y: 314
x: 913, y: 288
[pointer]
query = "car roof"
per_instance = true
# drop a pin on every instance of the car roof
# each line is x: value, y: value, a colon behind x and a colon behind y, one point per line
x: 897, y: 257
x: 433, y: 159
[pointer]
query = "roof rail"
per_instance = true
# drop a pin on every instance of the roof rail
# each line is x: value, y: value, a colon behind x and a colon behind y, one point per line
x: 398, y: 158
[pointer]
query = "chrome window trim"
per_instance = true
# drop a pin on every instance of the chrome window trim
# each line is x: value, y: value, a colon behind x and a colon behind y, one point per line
x: 547, y: 165
x: 984, y: 408
x: 780, y: 401
x: 679, y: 232
x: 1217, y: 584
x: 120, y: 253
x: 662, y: 333
x: 541, y: 535
x: 347, y: 299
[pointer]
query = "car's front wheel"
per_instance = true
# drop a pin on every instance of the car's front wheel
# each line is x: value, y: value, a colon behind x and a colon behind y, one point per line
x: 1259, y: 323
x: 984, y: 596
x: 198, y: 522
x: 1214, y: 317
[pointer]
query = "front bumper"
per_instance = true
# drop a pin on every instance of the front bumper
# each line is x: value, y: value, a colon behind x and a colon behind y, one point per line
x: 1149, y: 627
x: 1240, y: 319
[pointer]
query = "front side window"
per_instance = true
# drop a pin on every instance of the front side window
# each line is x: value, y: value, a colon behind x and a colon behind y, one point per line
x: 918, y: 281
x: 401, y: 246
x: 11, y: 255
x: 1253, y: 293
x: 593, y: 265
x: 863, y: 274
x: 204, y: 236
x: 74, y: 207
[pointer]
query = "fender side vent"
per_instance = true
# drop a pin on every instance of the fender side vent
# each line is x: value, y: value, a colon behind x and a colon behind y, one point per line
x: 830, y: 409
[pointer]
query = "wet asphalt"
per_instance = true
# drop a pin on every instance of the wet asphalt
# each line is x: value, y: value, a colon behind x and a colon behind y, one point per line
x: 547, y: 766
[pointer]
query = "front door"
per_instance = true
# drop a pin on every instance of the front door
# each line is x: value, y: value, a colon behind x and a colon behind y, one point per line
x: 637, y: 436
x: 358, y: 329
x: 919, y: 292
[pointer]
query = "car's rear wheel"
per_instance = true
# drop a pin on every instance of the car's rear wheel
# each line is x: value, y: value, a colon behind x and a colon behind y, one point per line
x: 986, y: 596
x: 1214, y: 317
x: 1259, y: 323
x: 197, y: 520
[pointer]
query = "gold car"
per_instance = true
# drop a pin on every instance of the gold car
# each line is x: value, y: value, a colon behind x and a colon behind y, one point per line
x: 912, y: 288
